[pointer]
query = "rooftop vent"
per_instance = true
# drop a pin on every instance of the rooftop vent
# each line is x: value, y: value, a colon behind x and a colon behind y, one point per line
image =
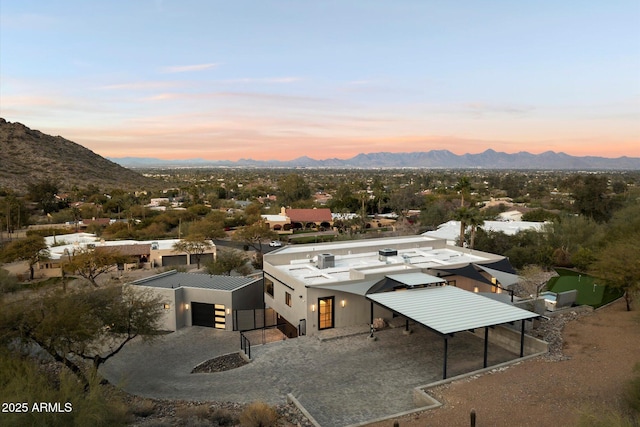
x: 326, y: 261
x: 384, y: 254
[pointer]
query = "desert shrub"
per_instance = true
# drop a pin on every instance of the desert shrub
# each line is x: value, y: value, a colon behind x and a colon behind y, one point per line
x: 21, y: 380
x: 258, y: 414
x: 190, y: 412
x: 8, y: 283
x: 143, y: 409
x: 223, y: 417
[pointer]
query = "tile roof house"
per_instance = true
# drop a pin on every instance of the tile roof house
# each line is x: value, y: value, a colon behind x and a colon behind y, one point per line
x: 290, y: 219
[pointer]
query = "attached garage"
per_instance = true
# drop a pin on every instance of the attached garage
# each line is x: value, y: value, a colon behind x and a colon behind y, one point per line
x: 197, y: 299
x: 169, y: 260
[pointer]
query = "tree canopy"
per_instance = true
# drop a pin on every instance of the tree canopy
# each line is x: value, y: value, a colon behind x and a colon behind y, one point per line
x: 31, y: 249
x: 83, y: 325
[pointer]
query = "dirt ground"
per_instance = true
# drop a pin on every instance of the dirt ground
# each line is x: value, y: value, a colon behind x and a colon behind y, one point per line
x: 600, y: 351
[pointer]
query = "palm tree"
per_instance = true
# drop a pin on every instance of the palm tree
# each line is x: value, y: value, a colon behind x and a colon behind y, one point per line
x: 463, y: 215
x: 475, y: 220
x: 463, y: 185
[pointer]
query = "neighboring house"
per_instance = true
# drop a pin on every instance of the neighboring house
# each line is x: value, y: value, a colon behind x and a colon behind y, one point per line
x: 290, y: 219
x: 144, y: 254
x: 193, y: 299
x: 451, y: 230
x: 310, y: 218
x: 281, y: 223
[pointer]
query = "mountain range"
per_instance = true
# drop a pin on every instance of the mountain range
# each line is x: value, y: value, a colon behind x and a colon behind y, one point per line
x: 29, y: 156
x: 434, y: 159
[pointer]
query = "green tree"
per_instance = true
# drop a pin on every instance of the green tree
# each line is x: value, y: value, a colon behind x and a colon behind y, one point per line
x: 618, y: 265
x: 227, y: 261
x: 195, y: 245
x: 82, y: 326
x: 292, y: 188
x: 211, y: 226
x: 253, y: 235
x: 90, y: 264
x: 591, y: 199
x: 31, y: 249
x: 44, y: 194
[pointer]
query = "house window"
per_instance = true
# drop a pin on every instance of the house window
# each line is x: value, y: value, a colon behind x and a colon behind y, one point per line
x: 268, y: 287
x: 287, y: 298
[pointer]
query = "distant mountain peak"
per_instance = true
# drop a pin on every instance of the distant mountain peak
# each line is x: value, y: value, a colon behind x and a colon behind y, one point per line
x: 433, y: 159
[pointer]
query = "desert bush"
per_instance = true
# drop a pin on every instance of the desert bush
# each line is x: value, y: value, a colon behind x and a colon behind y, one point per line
x: 8, y: 283
x: 223, y: 417
x: 21, y: 380
x: 189, y: 412
x: 143, y: 409
x: 258, y: 414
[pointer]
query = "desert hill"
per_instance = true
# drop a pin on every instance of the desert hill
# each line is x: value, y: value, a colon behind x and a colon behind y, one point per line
x: 29, y: 156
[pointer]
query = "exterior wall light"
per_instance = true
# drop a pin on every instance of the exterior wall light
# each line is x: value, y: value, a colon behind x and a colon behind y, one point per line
x: 343, y: 303
x: 186, y: 306
x: 228, y: 311
x: 475, y: 289
x: 167, y: 306
x: 313, y: 307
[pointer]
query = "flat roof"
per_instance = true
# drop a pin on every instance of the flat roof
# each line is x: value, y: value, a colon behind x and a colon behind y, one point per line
x: 447, y: 309
x: 407, y: 260
x: 173, y: 279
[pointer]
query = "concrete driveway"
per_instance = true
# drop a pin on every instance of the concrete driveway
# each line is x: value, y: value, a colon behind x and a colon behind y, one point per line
x: 340, y: 381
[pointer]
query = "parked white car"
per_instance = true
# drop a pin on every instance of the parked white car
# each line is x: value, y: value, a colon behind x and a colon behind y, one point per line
x: 275, y: 243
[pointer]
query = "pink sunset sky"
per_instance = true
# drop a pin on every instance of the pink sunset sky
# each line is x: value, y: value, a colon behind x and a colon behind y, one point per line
x: 214, y: 80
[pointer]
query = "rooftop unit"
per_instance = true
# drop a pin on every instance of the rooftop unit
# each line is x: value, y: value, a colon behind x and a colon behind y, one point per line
x: 326, y: 261
x: 385, y: 254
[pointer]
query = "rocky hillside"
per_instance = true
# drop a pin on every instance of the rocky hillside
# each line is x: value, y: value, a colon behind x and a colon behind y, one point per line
x: 28, y: 156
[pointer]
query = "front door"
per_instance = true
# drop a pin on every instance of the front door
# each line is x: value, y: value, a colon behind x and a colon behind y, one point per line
x: 325, y: 313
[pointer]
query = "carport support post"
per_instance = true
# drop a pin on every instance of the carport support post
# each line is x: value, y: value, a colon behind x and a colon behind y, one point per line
x: 486, y: 344
x: 444, y: 367
x: 522, y: 339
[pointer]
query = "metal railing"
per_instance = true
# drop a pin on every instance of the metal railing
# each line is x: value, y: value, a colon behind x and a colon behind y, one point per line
x: 245, y: 345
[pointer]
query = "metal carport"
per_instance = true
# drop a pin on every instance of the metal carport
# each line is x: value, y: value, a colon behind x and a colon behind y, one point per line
x: 447, y: 310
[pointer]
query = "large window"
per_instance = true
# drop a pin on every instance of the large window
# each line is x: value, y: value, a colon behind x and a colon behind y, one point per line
x: 325, y: 313
x: 287, y: 298
x: 268, y: 286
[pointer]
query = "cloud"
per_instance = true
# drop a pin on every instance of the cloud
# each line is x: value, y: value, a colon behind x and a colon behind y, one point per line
x: 149, y: 85
x: 189, y: 68
x: 276, y: 80
x: 479, y: 108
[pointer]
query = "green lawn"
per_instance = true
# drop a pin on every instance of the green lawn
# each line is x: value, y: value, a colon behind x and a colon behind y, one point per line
x: 589, y: 291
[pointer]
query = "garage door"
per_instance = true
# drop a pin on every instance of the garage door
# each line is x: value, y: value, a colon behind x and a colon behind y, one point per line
x: 210, y: 315
x: 174, y: 260
x: 202, y: 314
